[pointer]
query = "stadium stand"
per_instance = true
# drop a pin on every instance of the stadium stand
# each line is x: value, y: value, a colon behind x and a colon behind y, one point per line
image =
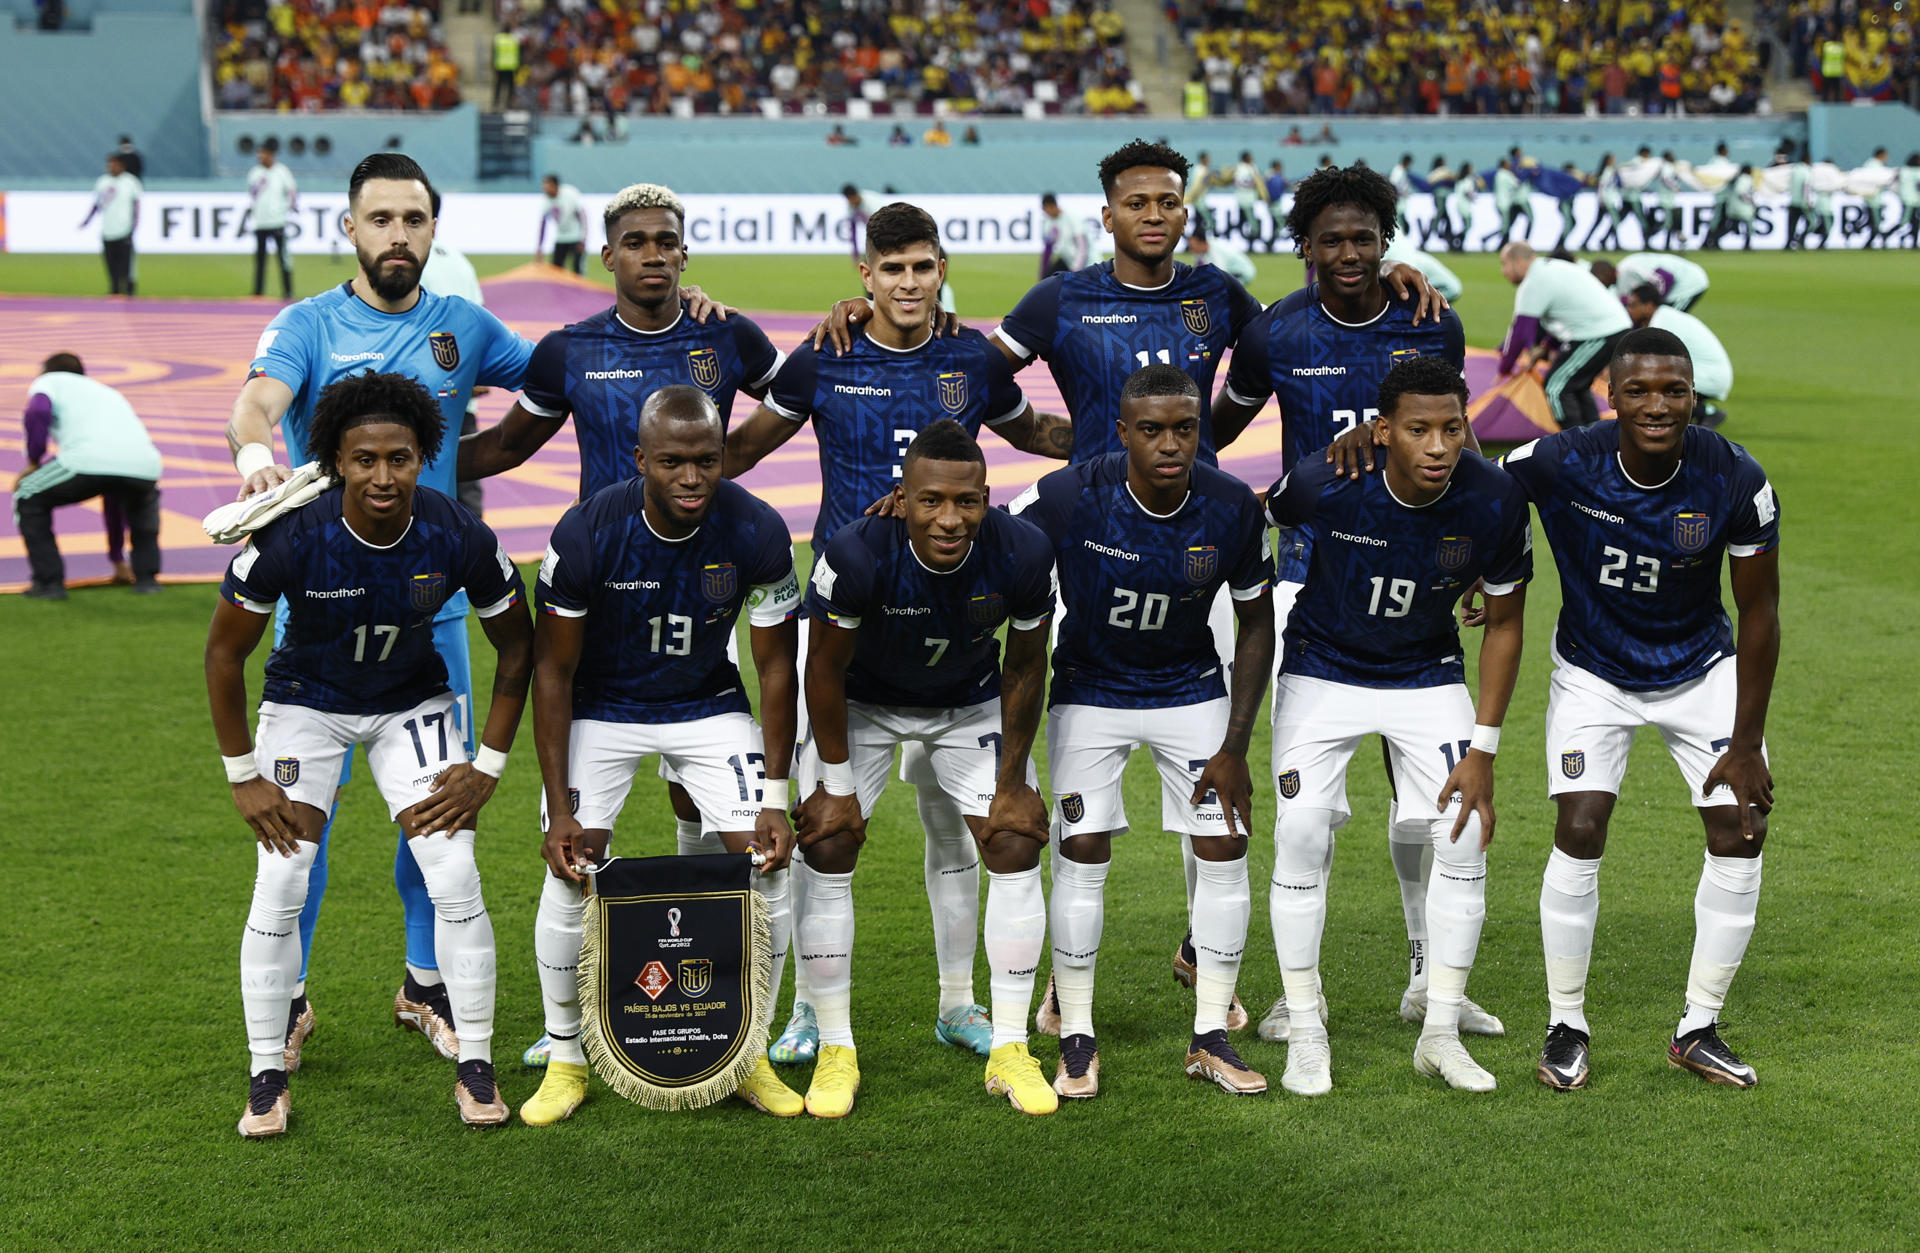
x: 1856, y: 50
x: 1489, y: 57
x: 309, y: 56
x: 859, y: 57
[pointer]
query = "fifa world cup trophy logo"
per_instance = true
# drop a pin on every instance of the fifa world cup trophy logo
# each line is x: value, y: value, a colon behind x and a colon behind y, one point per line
x: 673, y: 922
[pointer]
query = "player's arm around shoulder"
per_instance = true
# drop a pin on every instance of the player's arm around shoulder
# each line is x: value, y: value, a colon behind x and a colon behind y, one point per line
x: 786, y: 405
x: 1028, y: 331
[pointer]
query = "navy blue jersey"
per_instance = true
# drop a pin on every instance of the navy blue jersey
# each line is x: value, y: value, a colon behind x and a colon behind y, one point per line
x: 359, y: 634
x: 602, y: 370
x: 1377, y: 608
x: 868, y: 405
x: 1094, y: 331
x: 1640, y: 566
x: 659, y: 612
x: 1139, y: 587
x: 927, y: 638
x: 1327, y: 372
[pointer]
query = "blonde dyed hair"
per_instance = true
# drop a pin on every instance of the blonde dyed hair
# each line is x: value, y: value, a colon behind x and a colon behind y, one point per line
x: 643, y: 196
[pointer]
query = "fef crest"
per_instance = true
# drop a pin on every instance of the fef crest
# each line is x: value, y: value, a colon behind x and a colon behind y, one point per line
x: 1073, y: 806
x: 719, y: 583
x: 446, y: 350
x: 1289, y: 783
x: 1573, y: 764
x: 573, y: 800
x: 986, y: 610
x: 1454, y: 552
x: 704, y: 364
x: 1194, y: 314
x: 286, y: 771
x: 1690, y: 531
x: 953, y: 392
x: 1201, y: 564
x: 426, y: 591
x: 696, y: 977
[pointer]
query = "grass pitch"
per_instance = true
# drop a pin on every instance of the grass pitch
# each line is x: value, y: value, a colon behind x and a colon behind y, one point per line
x: 128, y: 875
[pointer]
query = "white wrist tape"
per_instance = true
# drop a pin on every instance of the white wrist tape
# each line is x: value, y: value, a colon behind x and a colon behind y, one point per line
x: 1486, y: 739
x: 837, y: 777
x: 240, y: 769
x: 773, y: 794
x: 252, y: 457
x: 490, y: 761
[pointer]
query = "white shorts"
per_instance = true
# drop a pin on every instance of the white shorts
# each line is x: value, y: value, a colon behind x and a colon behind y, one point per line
x: 800, y: 681
x: 303, y: 750
x: 1590, y: 725
x: 719, y: 760
x: 1284, y: 596
x: 1320, y: 724
x: 1087, y: 751
x: 961, y: 747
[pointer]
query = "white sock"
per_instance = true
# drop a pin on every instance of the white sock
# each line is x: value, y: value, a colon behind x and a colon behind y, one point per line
x: 1297, y: 903
x: 797, y: 880
x: 270, y: 952
x: 1016, y: 931
x: 1569, y: 911
x: 558, y: 925
x: 1411, y: 846
x: 1222, y: 902
x: 952, y: 872
x: 425, y: 978
x: 1302, y: 988
x: 462, y: 937
x: 1077, y: 915
x: 1723, y: 914
x: 1190, y: 866
x: 826, y: 949
x: 689, y: 839
x: 776, y: 889
x: 1445, y: 994
x: 1456, y: 910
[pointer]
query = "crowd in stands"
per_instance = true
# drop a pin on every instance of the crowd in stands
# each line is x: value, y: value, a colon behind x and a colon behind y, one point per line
x: 618, y: 57
x: 1469, y: 56
x: 1849, y: 49
x: 308, y: 56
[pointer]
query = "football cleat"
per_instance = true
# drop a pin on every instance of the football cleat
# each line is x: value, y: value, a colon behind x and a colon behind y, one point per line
x: 1046, y: 1019
x: 1444, y: 1056
x: 1012, y: 1073
x: 1309, y: 1069
x: 836, y: 1078
x: 967, y: 1027
x: 539, y: 1053
x: 561, y: 1092
x: 800, y: 1042
x: 299, y: 1031
x: 268, y: 1105
x: 1707, y: 1055
x: 1563, y: 1062
x: 1211, y: 1058
x: 479, y: 1100
x: 1186, y: 969
x: 424, y: 1009
x: 1078, y: 1077
x: 1473, y: 1019
x: 766, y: 1092
x: 1278, y: 1024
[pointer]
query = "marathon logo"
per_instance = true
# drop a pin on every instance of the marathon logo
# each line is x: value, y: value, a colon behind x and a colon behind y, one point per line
x: 1373, y: 540
x: 1601, y: 514
x: 610, y: 376
x: 1105, y: 551
x: 1107, y: 319
x: 848, y: 389
x: 1317, y: 371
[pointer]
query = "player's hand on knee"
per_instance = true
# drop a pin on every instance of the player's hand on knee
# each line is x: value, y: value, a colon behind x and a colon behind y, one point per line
x: 566, y: 850
x: 1352, y: 451
x: 265, y: 479
x: 700, y: 305
x: 458, y: 793
x: 773, y: 837
x: 1743, y: 771
x: 1407, y: 280
x: 1227, y: 777
x: 268, y: 811
x: 1016, y: 811
x: 836, y: 325
x: 824, y: 816
x: 1471, y: 785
